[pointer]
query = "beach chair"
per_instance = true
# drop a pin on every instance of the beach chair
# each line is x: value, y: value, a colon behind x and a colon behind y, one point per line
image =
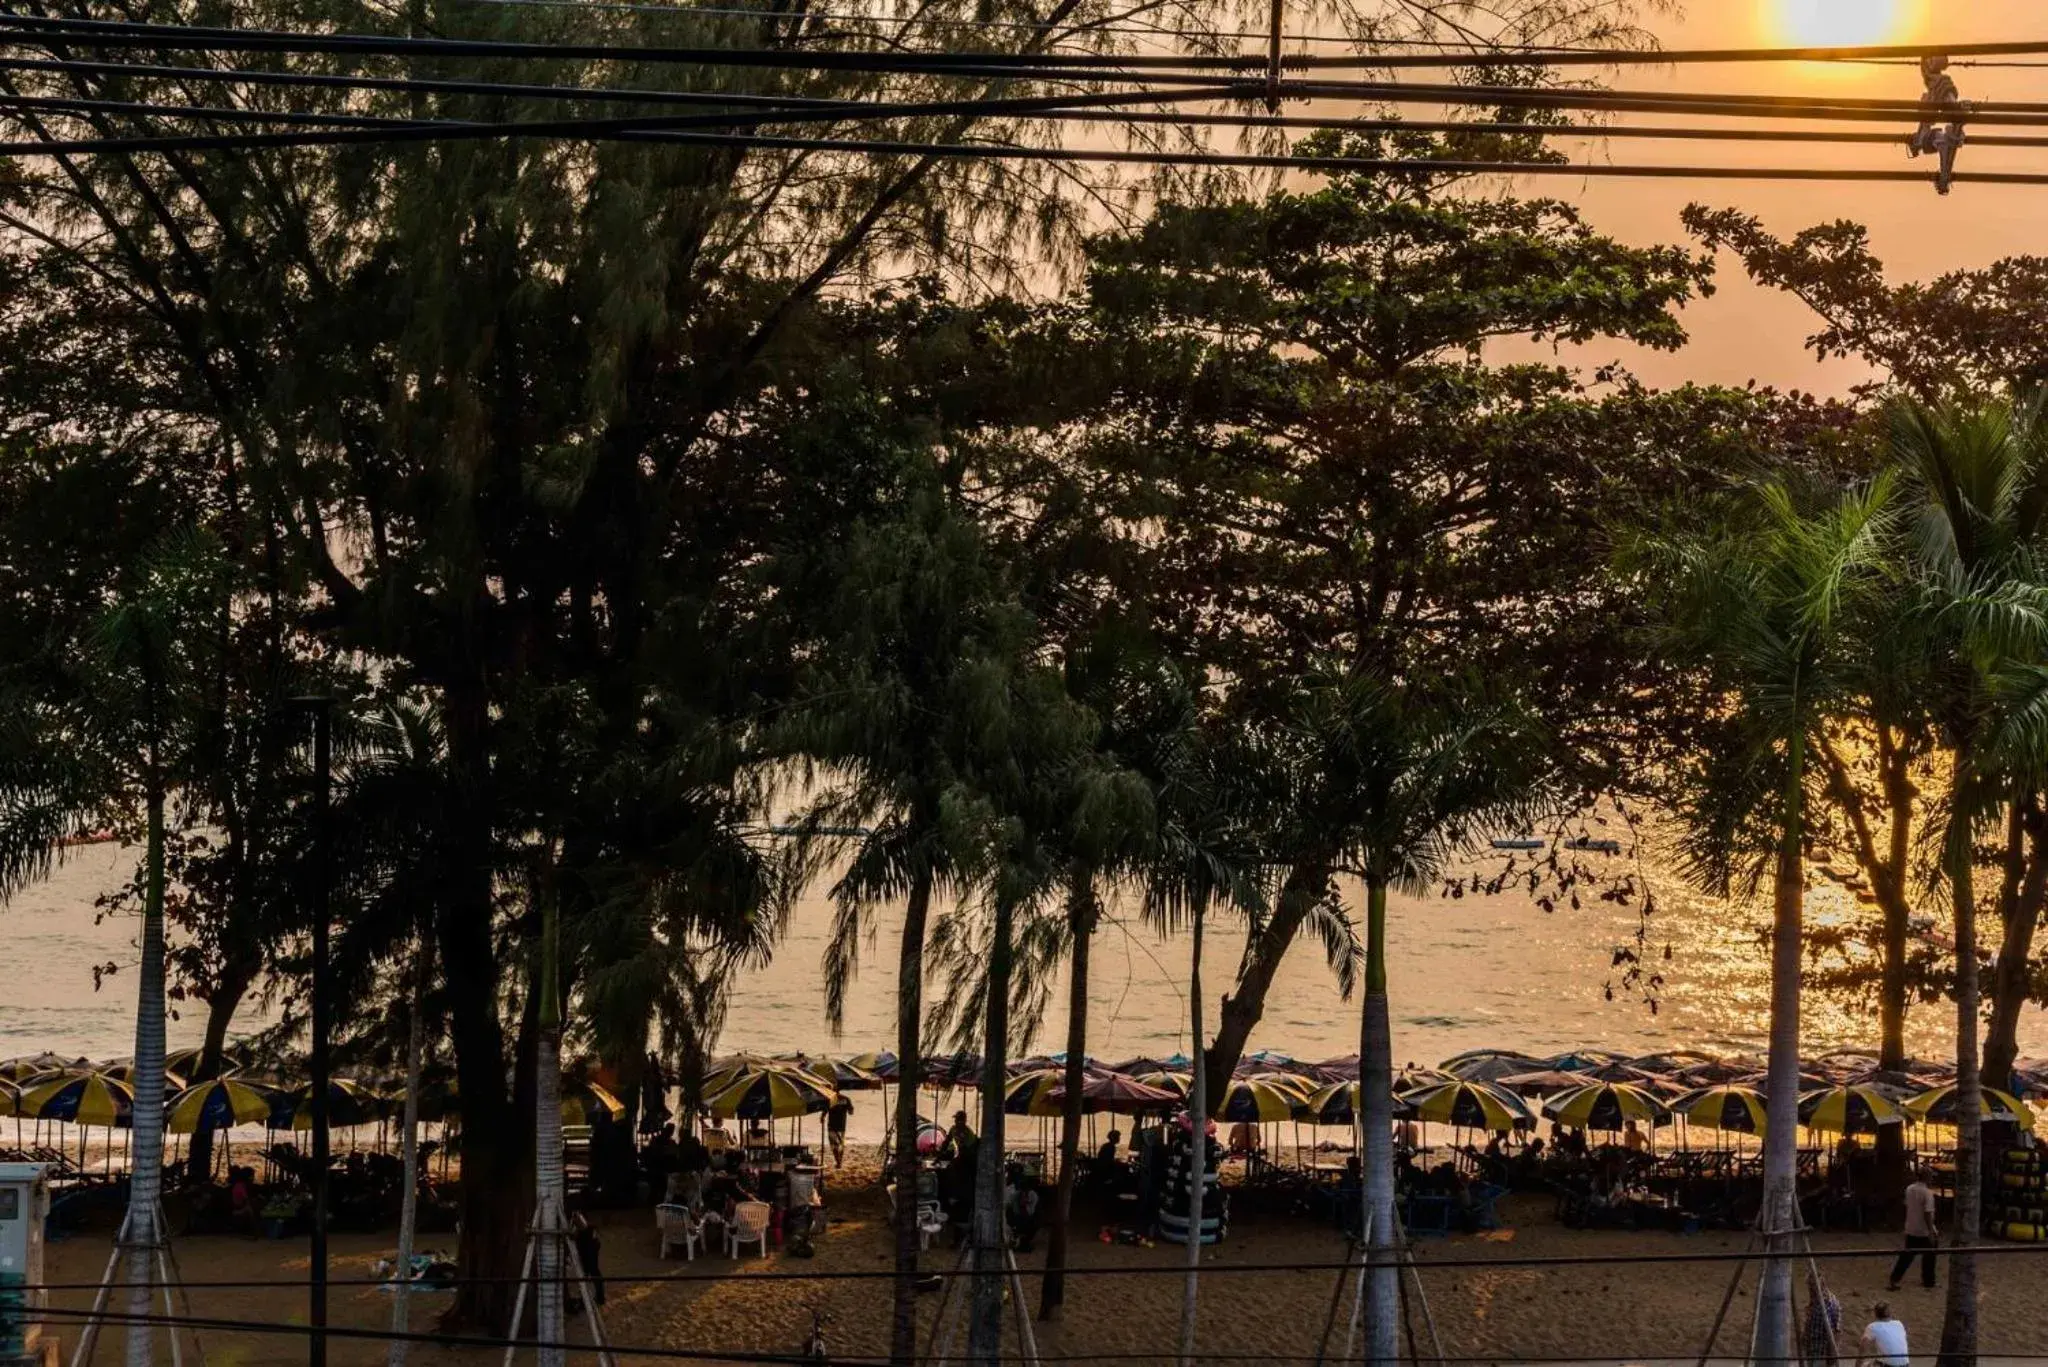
x: 1485, y: 1205
x: 679, y: 1225
x: 749, y: 1226
x: 931, y: 1220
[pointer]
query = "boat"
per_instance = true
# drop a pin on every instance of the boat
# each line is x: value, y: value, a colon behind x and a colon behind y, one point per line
x: 1591, y: 846
x: 1524, y: 843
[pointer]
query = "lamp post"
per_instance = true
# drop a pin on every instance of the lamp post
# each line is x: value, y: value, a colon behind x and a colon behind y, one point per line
x: 321, y: 709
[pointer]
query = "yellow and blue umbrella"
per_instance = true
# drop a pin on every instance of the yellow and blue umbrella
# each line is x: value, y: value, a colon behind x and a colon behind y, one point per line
x: 1938, y: 1107
x: 174, y: 1081
x: 1032, y: 1093
x: 20, y: 1070
x: 1604, y: 1106
x: 1848, y: 1110
x: 880, y: 1065
x: 847, y: 1076
x: 1258, y: 1099
x: 581, y: 1101
x: 348, y: 1103
x: 1336, y: 1104
x: 1468, y: 1106
x: 1180, y: 1084
x: 1738, y: 1110
x: 219, y: 1105
x: 79, y: 1099
x: 772, y: 1093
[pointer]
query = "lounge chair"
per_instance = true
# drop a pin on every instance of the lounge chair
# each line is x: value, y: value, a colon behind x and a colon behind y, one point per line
x: 679, y: 1225
x: 749, y: 1225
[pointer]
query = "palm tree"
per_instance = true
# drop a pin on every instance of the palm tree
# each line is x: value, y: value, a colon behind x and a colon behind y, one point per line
x: 121, y: 730
x: 1407, y: 780
x: 1980, y: 503
x: 1759, y: 609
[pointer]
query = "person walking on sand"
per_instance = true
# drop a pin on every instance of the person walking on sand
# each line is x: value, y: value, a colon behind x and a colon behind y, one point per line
x: 835, y: 1128
x: 1884, y: 1340
x: 1921, y: 1233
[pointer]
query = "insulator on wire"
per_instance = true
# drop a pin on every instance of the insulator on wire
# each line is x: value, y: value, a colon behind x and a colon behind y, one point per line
x: 1933, y: 138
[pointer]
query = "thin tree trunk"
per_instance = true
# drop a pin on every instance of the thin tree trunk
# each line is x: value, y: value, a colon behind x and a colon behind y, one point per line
x: 1780, y: 1215
x: 550, y: 1197
x: 1246, y: 1004
x: 1081, y: 914
x: 1198, y: 1140
x: 409, y: 1149
x: 2012, y: 979
x: 910, y: 1070
x: 146, y: 1160
x: 220, y: 1013
x: 985, y: 1327
x: 1376, y: 1107
x: 1959, y: 1322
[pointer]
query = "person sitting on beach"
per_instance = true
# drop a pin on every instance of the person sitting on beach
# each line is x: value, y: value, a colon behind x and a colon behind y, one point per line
x: 1633, y: 1139
x: 1245, y: 1141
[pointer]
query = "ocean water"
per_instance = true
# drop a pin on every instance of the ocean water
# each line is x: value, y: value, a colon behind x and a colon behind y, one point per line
x: 1475, y: 972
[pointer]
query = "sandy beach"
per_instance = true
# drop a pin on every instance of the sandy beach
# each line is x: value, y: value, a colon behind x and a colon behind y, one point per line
x: 1629, y: 1310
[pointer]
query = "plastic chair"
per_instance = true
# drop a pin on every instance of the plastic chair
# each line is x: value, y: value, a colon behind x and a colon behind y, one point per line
x: 678, y: 1225
x: 931, y: 1220
x: 749, y: 1226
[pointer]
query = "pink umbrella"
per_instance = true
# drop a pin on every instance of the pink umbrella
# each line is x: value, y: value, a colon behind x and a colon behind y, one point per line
x: 1119, y: 1094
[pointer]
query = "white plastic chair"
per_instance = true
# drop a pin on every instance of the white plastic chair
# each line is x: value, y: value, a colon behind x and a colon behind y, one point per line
x: 678, y: 1225
x: 931, y: 1219
x: 749, y: 1225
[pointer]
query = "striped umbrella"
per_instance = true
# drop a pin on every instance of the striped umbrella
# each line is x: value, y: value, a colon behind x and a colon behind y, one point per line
x: 723, y: 1072
x: 1489, y: 1065
x: 1180, y: 1084
x: 1145, y: 1063
x: 953, y: 1070
x: 1738, y: 1110
x: 79, y: 1099
x: 1542, y: 1082
x: 124, y: 1071
x: 581, y: 1101
x: 847, y: 1075
x: 1848, y: 1110
x: 1336, y: 1104
x: 1938, y: 1107
x: 1117, y: 1094
x: 880, y: 1065
x: 1032, y: 1093
x: 1604, y: 1106
x: 1469, y: 1106
x: 185, y: 1062
x: 26, y: 1066
x: 1257, y: 1099
x: 773, y: 1093
x: 348, y: 1103
x: 219, y: 1105
x: 10, y: 1099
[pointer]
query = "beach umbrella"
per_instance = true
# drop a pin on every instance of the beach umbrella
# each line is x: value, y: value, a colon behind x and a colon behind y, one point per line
x: 1117, y: 1094
x: 1738, y: 1110
x: 1257, y: 1099
x: 1343, y: 1068
x: 1671, y: 1061
x: 1143, y: 1064
x: 348, y: 1103
x: 1489, y: 1065
x: 124, y: 1071
x: 26, y: 1066
x: 953, y: 1070
x: 1848, y: 1110
x: 79, y: 1099
x: 1604, y: 1106
x: 581, y: 1101
x: 185, y: 1062
x: 219, y: 1105
x: 880, y: 1065
x: 1542, y: 1082
x: 1580, y: 1060
x: 1938, y: 1107
x: 776, y: 1093
x: 1032, y: 1093
x: 1469, y: 1106
x: 1337, y: 1104
x: 1180, y: 1084
x: 846, y: 1075
x: 723, y: 1072
x: 1413, y: 1077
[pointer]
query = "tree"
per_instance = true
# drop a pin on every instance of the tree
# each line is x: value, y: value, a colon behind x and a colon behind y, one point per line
x: 1975, y: 476
x: 1759, y: 607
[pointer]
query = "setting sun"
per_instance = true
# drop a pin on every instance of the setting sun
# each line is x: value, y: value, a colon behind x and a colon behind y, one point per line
x: 1822, y: 23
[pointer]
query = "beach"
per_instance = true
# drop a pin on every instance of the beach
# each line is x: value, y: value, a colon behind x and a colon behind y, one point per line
x: 1632, y: 1309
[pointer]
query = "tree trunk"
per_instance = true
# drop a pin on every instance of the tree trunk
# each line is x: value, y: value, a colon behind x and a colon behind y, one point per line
x: 550, y: 1195
x: 2012, y: 981
x: 1081, y: 914
x: 985, y: 1327
x: 1198, y: 1141
x: 1959, y: 1322
x: 1376, y: 1112
x: 220, y: 1013
x: 1780, y: 1214
x: 409, y: 1149
x: 910, y: 1071
x: 1243, y: 1008
x: 146, y: 1149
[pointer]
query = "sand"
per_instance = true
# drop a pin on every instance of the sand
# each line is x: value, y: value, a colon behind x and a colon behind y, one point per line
x: 1624, y: 1310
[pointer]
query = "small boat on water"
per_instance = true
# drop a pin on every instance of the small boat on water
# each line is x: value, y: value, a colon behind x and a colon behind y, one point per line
x: 1591, y: 846
x: 70, y: 842
x: 1524, y: 843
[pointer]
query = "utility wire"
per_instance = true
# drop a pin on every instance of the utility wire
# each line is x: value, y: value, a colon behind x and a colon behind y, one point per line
x: 134, y: 33
x: 1536, y: 1262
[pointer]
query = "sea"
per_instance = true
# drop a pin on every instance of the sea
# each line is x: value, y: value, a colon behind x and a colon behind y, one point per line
x: 1473, y: 972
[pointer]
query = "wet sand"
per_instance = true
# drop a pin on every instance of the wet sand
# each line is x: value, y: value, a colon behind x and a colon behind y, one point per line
x: 1620, y: 1311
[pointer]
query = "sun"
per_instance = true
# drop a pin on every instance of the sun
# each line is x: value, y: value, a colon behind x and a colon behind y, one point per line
x: 1840, y: 23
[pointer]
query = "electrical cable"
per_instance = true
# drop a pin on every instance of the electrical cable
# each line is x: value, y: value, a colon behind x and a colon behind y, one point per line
x: 136, y: 33
x: 222, y: 113
x: 1527, y: 1262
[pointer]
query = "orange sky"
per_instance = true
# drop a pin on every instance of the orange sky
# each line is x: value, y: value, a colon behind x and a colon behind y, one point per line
x: 1745, y: 332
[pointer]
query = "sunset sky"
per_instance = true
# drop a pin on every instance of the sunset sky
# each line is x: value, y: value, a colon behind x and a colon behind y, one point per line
x: 1745, y: 332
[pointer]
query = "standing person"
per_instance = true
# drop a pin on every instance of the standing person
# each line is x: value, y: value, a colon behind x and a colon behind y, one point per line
x: 835, y: 1128
x: 1884, y: 1341
x: 1921, y: 1233
x: 1820, y: 1344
